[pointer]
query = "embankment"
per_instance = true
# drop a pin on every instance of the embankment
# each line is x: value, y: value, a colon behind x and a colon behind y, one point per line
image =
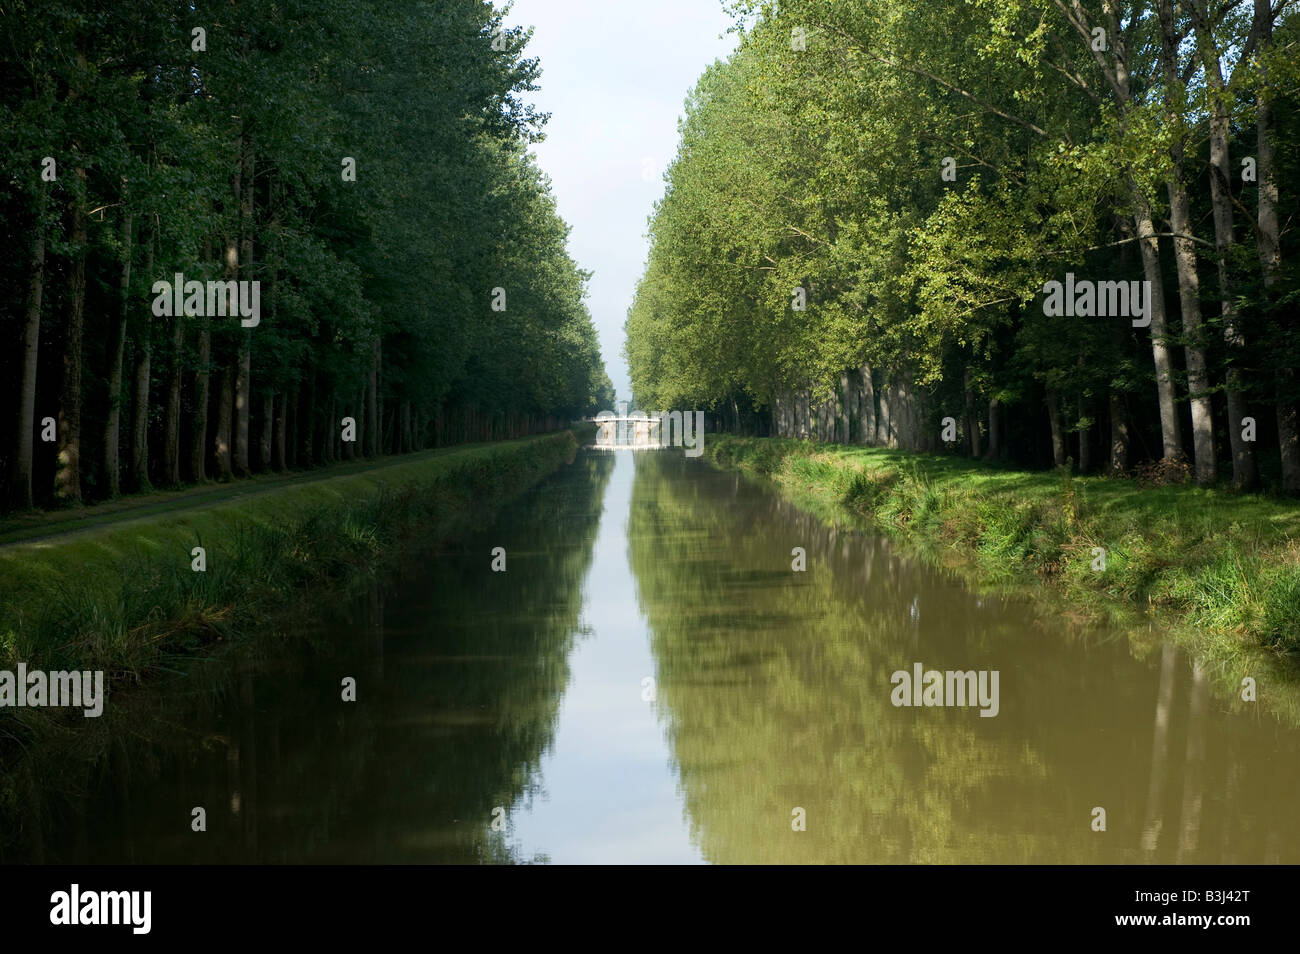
x: 1219, y: 572
x: 127, y: 597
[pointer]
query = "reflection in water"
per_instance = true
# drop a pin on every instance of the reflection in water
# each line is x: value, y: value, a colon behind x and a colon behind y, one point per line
x: 609, y: 792
x: 776, y: 686
x: 526, y: 690
x: 459, y: 673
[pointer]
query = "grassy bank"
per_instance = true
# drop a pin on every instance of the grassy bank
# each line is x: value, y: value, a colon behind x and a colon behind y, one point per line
x: 1222, y: 571
x: 124, y: 597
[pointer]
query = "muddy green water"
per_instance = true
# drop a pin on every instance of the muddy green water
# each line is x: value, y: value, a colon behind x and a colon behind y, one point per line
x: 650, y: 681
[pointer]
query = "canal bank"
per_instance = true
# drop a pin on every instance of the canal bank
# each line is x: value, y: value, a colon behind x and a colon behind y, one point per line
x: 131, y: 598
x: 1219, y: 572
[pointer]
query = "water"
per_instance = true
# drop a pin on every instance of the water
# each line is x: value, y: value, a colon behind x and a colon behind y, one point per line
x: 650, y: 681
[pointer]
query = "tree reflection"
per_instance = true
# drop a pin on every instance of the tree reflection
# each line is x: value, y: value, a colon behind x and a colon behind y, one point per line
x: 459, y: 673
x: 774, y: 689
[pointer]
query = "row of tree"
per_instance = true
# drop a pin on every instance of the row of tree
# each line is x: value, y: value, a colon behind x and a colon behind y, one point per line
x: 871, y: 198
x: 365, y: 163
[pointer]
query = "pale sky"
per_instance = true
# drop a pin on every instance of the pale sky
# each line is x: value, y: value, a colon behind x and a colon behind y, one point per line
x: 615, y: 74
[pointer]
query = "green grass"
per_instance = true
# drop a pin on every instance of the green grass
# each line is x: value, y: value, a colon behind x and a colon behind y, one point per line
x: 1220, y: 570
x: 122, y: 597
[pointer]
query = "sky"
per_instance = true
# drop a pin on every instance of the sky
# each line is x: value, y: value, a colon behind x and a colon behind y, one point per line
x: 615, y: 74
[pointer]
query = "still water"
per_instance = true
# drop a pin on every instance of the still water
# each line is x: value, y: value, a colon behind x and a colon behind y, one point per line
x: 650, y: 681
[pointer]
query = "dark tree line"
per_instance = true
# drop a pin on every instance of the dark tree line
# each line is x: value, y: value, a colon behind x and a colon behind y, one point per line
x: 365, y: 163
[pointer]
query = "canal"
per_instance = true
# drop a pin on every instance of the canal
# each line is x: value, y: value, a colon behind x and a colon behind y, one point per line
x: 649, y: 680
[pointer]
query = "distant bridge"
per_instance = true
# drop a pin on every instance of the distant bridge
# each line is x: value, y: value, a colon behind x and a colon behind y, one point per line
x: 638, y: 432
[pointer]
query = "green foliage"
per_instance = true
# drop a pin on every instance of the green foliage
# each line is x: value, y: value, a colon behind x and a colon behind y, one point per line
x: 229, y: 163
x: 823, y: 169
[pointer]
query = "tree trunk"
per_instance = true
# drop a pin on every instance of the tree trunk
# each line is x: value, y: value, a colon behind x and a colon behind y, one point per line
x: 243, y: 381
x: 372, y: 403
x: 970, y: 435
x: 1170, y: 430
x: 25, y: 446
x: 866, y: 407
x: 365, y: 425
x: 226, y: 376
x: 907, y: 413
x: 281, y: 411
x: 172, y: 420
x: 1119, y: 437
x: 116, y: 355
x: 67, y: 480
x: 242, y: 399
x: 1288, y: 431
x: 225, y: 419
x: 1288, y: 428
x: 1198, y: 379
x: 1245, y: 473
x: 330, y: 433
x: 1117, y: 75
x: 140, y: 418
x: 884, y: 420
x: 268, y: 429
x: 202, y: 395
x: 995, y: 432
x: 307, y: 420
x: 848, y: 404
x: 292, y: 443
x: 1189, y: 283
x: 143, y: 378
x: 1085, y: 435
x: 1058, y: 434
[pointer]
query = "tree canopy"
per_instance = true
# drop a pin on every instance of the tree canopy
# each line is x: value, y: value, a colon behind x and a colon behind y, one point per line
x: 871, y: 200
x: 365, y: 163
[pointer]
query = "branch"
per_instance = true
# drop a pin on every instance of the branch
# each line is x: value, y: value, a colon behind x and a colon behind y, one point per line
x: 1257, y: 28
x: 951, y: 87
x: 984, y: 304
x: 1250, y: 216
x: 810, y: 238
x: 978, y: 161
x: 1094, y: 248
x: 966, y: 93
x: 1071, y: 74
x: 1077, y: 18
